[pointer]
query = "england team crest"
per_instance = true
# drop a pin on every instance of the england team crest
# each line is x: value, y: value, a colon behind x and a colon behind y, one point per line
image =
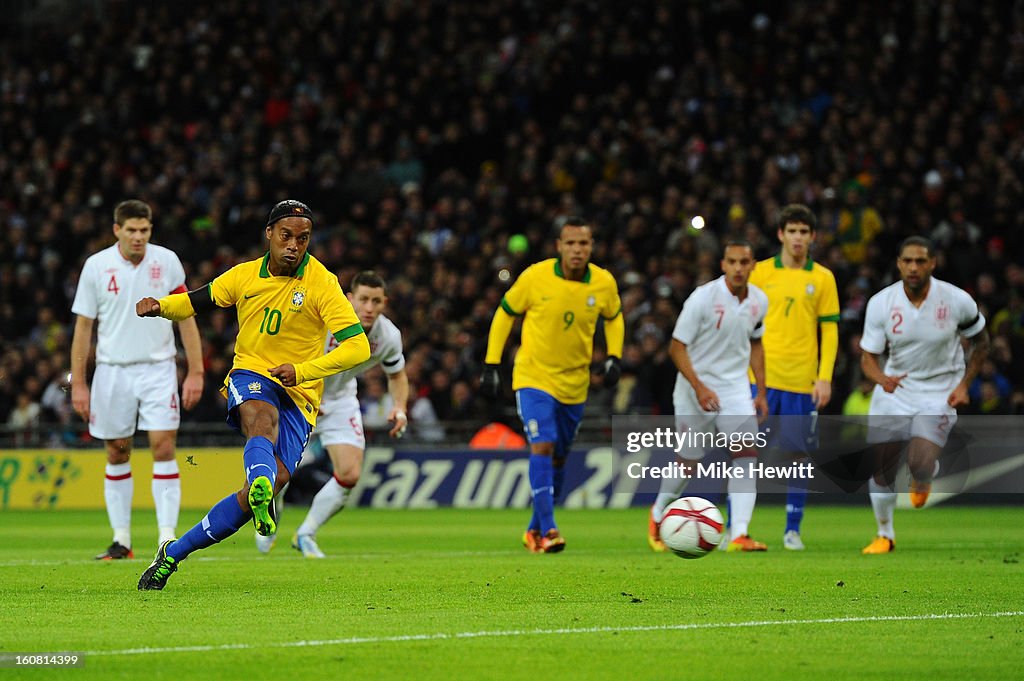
x: 155, y: 271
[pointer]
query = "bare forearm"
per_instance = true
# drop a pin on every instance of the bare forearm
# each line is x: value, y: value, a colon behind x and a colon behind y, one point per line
x: 977, y: 351
x: 398, y: 387
x: 681, y: 358
x: 81, y: 342
x: 193, y: 345
x: 757, y: 365
x: 871, y: 368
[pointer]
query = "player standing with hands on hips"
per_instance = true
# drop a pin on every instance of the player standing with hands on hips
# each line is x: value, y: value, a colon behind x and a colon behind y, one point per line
x: 286, y: 301
x: 921, y: 320
x: 561, y: 300
x: 136, y: 380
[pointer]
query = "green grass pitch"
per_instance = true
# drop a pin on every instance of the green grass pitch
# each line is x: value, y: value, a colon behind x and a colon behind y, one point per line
x: 450, y: 594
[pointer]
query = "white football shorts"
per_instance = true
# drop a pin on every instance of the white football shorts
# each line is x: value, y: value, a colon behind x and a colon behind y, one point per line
x: 127, y: 397
x: 735, y: 416
x: 902, y: 415
x: 340, y: 422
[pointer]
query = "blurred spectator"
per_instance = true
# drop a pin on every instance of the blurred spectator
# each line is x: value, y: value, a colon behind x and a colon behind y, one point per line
x: 425, y: 135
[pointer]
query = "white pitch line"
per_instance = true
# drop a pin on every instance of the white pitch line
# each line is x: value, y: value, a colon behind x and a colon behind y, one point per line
x: 441, y: 636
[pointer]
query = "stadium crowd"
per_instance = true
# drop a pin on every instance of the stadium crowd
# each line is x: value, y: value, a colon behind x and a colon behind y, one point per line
x: 440, y: 143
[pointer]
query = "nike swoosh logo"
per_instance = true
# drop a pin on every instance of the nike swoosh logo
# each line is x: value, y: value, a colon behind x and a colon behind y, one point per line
x: 251, y: 296
x: 545, y: 297
x: 945, y: 488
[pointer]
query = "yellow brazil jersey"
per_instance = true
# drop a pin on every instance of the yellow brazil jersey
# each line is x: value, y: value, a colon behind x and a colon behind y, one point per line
x: 558, y: 327
x: 798, y: 301
x: 281, y: 320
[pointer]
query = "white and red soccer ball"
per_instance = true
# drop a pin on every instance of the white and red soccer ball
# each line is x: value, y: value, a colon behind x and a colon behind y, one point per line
x: 692, y: 527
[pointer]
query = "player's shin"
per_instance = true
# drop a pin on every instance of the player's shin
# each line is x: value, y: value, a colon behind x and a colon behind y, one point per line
x: 327, y: 502
x: 883, y: 502
x: 542, y: 484
x: 742, y: 488
x: 258, y: 459
x: 166, y: 488
x: 223, y: 520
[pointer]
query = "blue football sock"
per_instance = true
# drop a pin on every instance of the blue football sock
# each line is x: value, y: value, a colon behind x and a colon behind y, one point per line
x: 796, y: 497
x: 558, y: 481
x: 258, y: 459
x: 223, y: 520
x: 543, y: 499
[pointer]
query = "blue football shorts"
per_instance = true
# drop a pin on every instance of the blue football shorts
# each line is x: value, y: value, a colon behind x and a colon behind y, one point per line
x: 794, y: 420
x: 292, y: 427
x: 545, y: 419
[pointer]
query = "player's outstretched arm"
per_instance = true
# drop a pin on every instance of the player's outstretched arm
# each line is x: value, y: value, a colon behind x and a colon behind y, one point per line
x: 148, y: 307
x: 353, y: 350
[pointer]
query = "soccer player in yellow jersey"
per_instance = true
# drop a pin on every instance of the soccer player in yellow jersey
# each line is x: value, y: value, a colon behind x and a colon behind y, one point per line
x: 285, y: 301
x: 802, y: 300
x: 560, y: 300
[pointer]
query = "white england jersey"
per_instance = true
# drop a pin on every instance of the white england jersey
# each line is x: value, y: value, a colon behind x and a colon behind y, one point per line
x: 385, y: 349
x: 924, y: 342
x: 108, y: 289
x: 717, y: 329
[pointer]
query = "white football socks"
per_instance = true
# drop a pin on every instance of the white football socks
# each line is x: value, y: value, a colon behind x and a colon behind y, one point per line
x: 118, y: 489
x: 166, y: 497
x: 883, y: 501
x: 328, y: 501
x: 742, y: 496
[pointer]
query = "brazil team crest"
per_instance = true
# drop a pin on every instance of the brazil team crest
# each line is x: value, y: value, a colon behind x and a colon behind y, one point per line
x: 298, y: 298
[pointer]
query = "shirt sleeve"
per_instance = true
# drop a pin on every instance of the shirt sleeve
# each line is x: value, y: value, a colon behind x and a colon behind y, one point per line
x: 970, y: 321
x: 689, y: 322
x: 873, y: 338
x: 828, y: 301
x: 224, y: 289
x: 613, y: 303
x: 85, y: 296
x: 758, y: 331
x: 517, y: 299
x: 177, y: 274
x: 393, y: 361
x: 336, y: 310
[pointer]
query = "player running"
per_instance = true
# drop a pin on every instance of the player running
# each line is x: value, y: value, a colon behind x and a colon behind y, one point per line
x: 921, y: 320
x: 561, y: 300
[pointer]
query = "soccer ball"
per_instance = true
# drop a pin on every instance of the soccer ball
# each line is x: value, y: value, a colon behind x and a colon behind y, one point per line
x: 692, y: 527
